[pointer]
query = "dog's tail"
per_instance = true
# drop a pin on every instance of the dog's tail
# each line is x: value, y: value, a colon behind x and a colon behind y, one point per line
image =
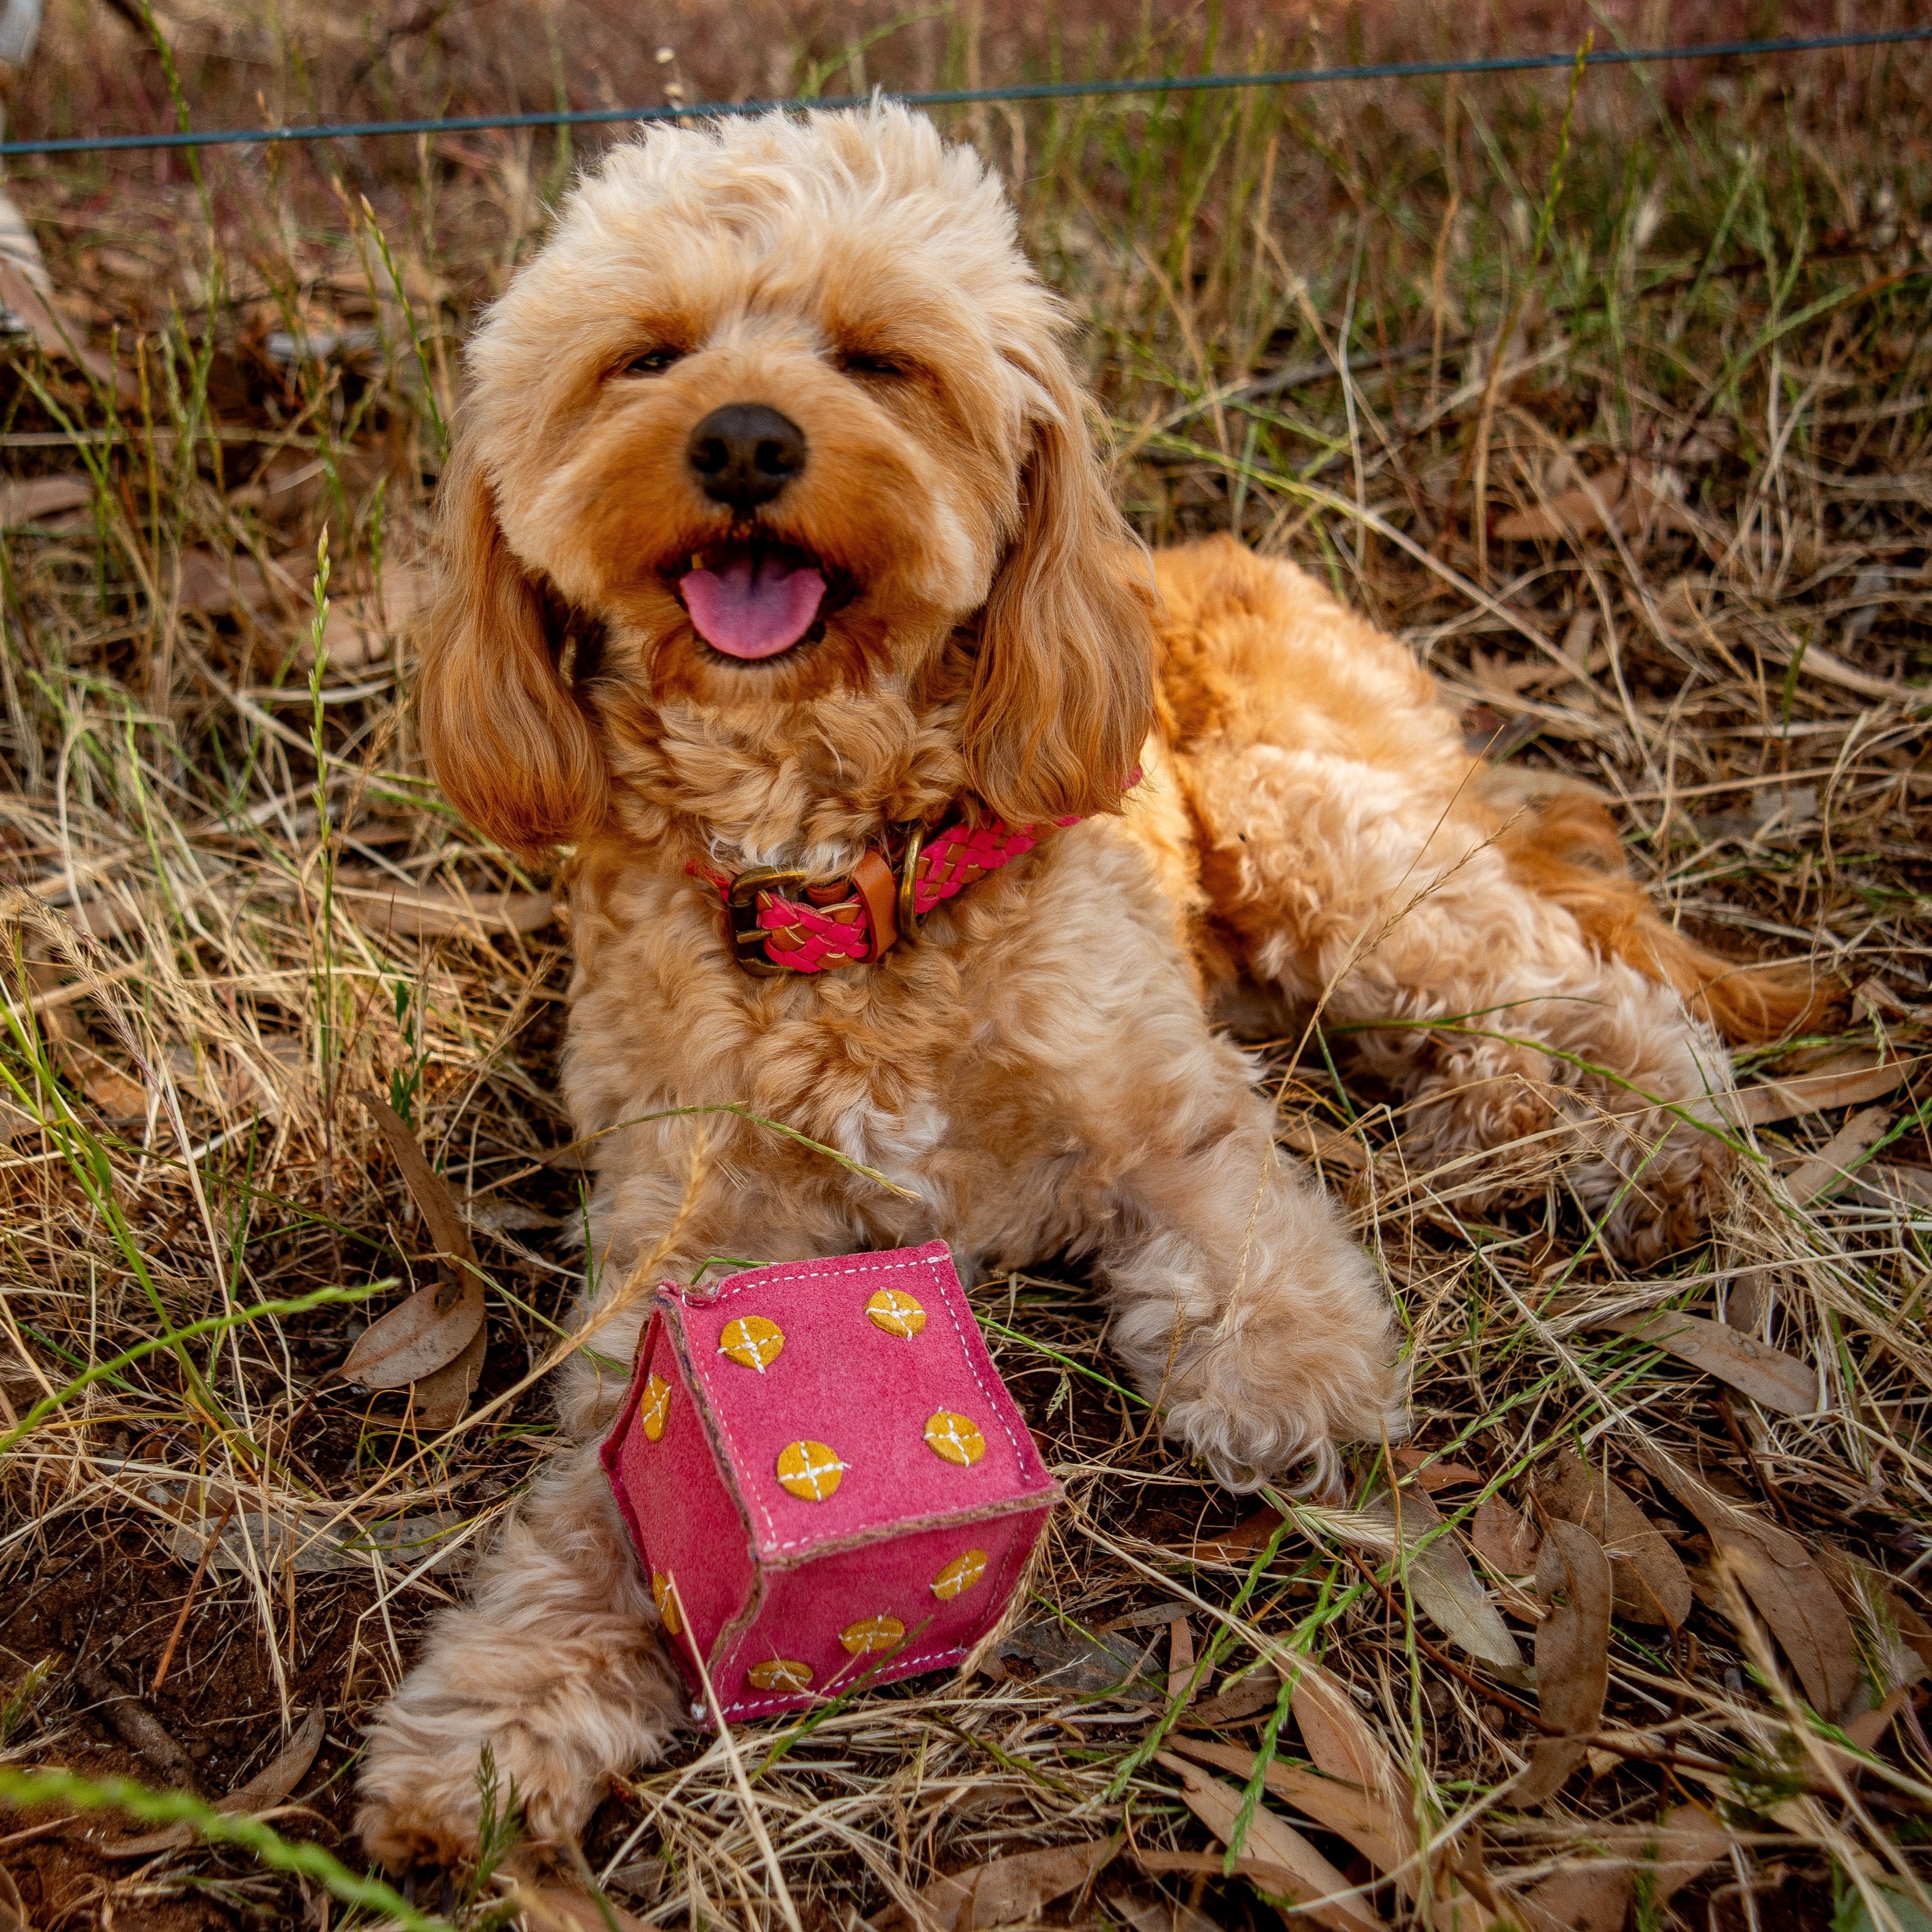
x: 1563, y: 845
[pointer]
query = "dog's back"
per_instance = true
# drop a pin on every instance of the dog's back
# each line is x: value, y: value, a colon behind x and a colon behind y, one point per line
x: 1263, y: 672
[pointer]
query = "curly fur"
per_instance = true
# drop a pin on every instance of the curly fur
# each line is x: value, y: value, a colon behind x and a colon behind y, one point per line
x: 1042, y: 1072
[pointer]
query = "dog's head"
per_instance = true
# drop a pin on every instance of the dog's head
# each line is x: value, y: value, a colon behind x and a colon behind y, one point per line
x: 782, y: 413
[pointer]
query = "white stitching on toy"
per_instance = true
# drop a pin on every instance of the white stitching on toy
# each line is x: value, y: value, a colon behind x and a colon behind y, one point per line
x: 939, y: 1284
x: 818, y: 1273
x: 1009, y: 1563
x: 701, y: 1368
x: 957, y: 1654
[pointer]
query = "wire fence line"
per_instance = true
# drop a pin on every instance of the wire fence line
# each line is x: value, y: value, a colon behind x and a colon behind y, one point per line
x: 968, y: 96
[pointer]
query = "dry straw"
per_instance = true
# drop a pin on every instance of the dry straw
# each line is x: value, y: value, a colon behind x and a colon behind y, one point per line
x: 1636, y: 461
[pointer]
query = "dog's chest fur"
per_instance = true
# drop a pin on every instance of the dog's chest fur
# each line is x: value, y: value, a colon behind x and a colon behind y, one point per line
x: 1046, y: 1021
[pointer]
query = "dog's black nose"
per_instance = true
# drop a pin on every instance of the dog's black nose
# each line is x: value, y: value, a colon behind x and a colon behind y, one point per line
x: 745, y: 454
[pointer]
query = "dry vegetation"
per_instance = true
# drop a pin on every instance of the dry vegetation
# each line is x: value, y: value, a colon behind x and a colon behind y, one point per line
x: 1634, y: 447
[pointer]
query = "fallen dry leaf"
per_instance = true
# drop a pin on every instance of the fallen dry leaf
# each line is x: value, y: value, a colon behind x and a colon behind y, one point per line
x: 1868, y: 1728
x: 1573, y: 1656
x: 1766, y: 1374
x: 1005, y: 1892
x: 1595, y: 1895
x: 359, y: 630
x: 1431, y: 1475
x: 310, y: 1539
x: 1851, y: 1080
x: 1247, y: 1536
x: 428, y: 1188
x: 1338, y: 1738
x: 214, y: 584
x: 441, y: 1325
x: 1180, y: 1658
x: 1445, y: 1588
x: 1649, y: 1581
x: 1826, y: 665
x: 499, y: 1215
x: 56, y: 335
x: 225, y: 1081
x: 1259, y: 1690
x: 1061, y: 1658
x: 1775, y: 1571
x: 29, y: 500
x: 1624, y: 497
x: 1504, y: 1538
x: 1822, y: 1174
x: 1384, y: 1835
x: 1899, y: 1640
x: 432, y: 1328
x: 266, y: 1789
x: 98, y: 918
x: 1307, y: 1876
x: 441, y: 1398
x: 389, y: 909
x: 1887, y: 1185
x: 1148, y: 1911
x: 1380, y: 1825
x: 118, y: 1097
x: 554, y: 1907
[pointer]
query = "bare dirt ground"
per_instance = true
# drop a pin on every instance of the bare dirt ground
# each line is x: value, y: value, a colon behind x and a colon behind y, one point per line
x: 1621, y: 421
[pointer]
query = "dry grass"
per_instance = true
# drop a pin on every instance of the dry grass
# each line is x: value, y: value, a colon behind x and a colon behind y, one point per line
x: 1635, y: 452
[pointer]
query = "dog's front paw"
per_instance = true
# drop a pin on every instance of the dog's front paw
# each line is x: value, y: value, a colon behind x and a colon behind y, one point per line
x: 426, y: 1776
x: 534, y: 1723
x: 1670, y: 1197
x: 414, y: 1814
x: 403, y: 1835
x: 1288, y: 1377
x: 1481, y: 1120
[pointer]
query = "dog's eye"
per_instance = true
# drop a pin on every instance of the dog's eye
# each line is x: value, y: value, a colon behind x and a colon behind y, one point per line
x: 857, y: 362
x: 653, y: 361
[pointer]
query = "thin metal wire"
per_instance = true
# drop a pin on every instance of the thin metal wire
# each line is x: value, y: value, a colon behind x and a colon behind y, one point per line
x: 967, y: 97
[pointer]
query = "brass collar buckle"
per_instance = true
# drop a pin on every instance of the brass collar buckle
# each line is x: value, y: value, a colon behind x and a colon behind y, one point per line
x: 888, y: 902
x: 748, y: 942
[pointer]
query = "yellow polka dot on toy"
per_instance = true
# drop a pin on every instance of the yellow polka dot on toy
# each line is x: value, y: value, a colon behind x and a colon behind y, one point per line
x: 956, y: 1438
x: 666, y: 1603
x: 780, y: 1673
x: 653, y: 1407
x: 869, y: 1633
x: 811, y: 1470
x: 753, y: 1341
x: 895, y: 1311
x: 960, y: 1575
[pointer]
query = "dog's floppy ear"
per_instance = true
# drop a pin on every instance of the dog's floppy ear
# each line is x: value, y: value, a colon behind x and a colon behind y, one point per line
x: 509, y: 744
x: 1063, y: 695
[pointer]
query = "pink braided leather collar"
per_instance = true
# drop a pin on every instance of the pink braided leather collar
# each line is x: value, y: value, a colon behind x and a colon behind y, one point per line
x: 796, y: 929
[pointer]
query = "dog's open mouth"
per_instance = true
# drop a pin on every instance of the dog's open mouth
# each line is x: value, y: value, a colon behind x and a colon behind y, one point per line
x: 752, y: 600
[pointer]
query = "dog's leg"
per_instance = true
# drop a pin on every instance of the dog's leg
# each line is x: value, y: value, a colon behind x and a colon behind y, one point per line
x: 1482, y: 1000
x: 1610, y: 1084
x: 1241, y: 1306
x: 553, y: 1663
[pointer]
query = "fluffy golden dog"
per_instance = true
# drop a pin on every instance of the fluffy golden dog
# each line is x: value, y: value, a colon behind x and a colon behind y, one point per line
x: 775, y: 530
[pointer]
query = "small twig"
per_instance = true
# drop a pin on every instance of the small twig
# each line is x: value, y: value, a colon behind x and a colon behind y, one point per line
x: 1772, y: 1493
x: 187, y: 1602
x: 137, y: 1727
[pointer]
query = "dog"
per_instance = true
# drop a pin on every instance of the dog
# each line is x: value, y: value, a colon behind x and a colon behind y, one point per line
x: 915, y: 807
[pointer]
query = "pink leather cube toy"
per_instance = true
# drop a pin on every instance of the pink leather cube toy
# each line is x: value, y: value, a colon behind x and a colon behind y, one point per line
x: 823, y: 1459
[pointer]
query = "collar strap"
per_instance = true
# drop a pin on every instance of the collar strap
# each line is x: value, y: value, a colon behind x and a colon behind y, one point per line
x: 776, y: 922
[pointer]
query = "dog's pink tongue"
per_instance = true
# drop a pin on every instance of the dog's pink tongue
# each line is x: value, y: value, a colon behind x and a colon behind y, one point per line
x: 753, y: 610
